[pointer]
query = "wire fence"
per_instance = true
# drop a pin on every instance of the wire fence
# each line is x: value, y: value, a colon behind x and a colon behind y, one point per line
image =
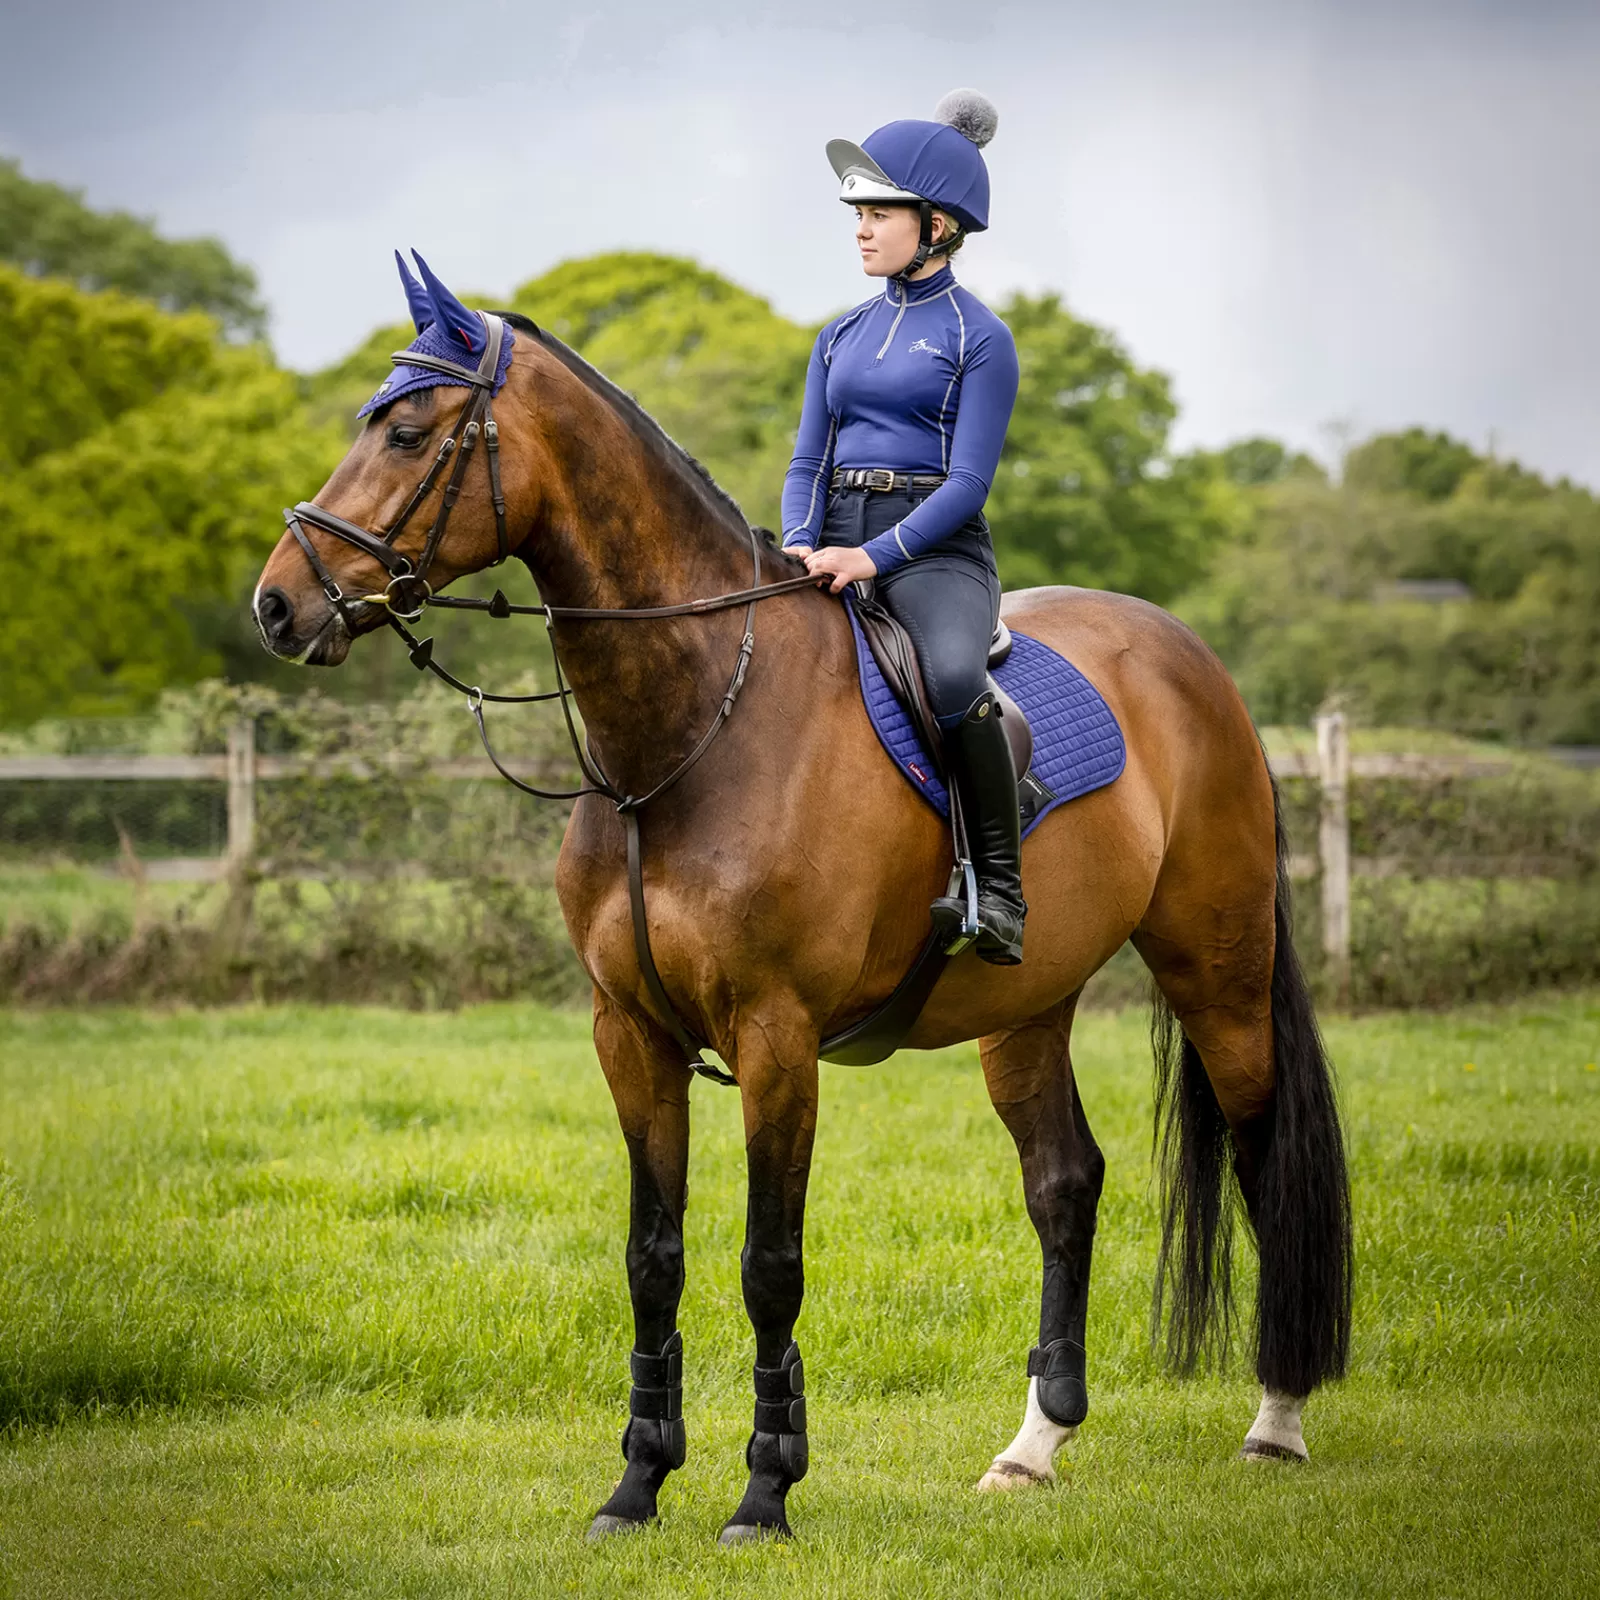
x: 308, y: 848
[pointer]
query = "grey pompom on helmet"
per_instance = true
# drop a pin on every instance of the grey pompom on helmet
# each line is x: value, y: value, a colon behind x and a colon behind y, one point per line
x: 969, y: 113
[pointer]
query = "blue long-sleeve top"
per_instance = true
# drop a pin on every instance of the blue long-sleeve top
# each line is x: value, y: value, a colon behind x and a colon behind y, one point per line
x: 921, y: 378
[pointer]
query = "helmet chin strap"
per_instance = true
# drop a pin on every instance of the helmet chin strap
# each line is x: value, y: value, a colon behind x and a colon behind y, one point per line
x: 925, y: 245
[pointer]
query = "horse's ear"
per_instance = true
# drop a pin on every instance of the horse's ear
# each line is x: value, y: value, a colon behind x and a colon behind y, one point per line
x: 416, y: 295
x: 449, y: 312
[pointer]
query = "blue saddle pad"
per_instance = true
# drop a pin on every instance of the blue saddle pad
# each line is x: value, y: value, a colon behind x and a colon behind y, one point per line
x: 1077, y: 742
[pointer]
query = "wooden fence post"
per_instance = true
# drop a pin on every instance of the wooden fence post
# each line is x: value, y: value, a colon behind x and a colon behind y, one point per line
x: 241, y: 790
x: 1333, y: 842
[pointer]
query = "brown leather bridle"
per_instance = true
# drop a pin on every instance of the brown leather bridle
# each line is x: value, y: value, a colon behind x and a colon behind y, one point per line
x: 407, y: 591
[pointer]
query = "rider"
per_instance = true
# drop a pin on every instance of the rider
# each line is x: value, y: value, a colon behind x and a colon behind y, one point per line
x: 906, y: 405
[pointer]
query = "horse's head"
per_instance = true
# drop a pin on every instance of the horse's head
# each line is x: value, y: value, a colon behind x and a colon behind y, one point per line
x: 417, y: 501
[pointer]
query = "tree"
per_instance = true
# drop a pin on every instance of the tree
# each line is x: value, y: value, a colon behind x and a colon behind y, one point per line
x: 1087, y: 491
x: 1307, y: 605
x: 147, y: 462
x: 48, y: 231
x: 1427, y: 465
x: 715, y: 365
x: 1253, y: 462
x: 72, y: 362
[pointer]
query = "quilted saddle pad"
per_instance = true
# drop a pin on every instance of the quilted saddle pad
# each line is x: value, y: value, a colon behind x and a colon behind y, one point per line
x: 1077, y: 742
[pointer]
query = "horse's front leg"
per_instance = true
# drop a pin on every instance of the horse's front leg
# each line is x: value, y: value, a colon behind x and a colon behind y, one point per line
x: 777, y: 1070
x: 650, y: 1085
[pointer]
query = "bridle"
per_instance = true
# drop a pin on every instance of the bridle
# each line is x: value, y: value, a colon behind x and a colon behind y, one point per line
x: 407, y: 594
x: 407, y: 591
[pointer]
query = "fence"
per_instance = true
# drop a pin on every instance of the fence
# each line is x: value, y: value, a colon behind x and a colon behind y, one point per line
x: 242, y: 767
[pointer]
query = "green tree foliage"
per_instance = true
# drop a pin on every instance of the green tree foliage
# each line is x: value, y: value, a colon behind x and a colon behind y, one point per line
x: 1314, y: 603
x: 1253, y: 462
x: 1087, y: 491
x: 715, y: 365
x: 49, y: 232
x: 72, y: 362
x: 147, y: 462
x: 1415, y: 462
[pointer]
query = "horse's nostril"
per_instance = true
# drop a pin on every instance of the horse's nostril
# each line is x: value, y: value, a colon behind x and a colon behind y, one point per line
x: 275, y: 612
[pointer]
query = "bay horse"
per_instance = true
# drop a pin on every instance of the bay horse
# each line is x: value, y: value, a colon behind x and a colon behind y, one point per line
x: 789, y: 873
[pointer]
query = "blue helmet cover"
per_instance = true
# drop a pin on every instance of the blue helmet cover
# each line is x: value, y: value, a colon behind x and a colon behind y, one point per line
x: 446, y: 330
x: 936, y: 161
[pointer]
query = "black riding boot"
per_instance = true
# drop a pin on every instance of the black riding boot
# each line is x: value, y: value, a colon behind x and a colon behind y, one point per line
x: 981, y: 757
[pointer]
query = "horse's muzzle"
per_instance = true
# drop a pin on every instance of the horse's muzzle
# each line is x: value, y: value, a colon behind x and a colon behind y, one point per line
x: 285, y: 635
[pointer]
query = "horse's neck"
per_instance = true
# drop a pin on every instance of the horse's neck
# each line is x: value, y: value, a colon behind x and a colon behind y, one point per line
x: 641, y: 533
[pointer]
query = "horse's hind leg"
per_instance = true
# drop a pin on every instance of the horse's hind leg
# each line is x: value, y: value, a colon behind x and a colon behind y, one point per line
x: 651, y: 1088
x: 1247, y: 1082
x: 1028, y: 1070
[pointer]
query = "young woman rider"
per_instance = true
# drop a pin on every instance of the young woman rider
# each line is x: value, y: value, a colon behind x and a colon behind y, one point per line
x: 906, y: 406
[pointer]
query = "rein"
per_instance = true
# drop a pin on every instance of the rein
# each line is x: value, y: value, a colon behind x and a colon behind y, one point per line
x: 408, y: 594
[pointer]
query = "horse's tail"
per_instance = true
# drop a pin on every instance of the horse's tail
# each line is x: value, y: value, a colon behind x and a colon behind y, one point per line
x: 1199, y: 1196
x: 1302, y: 1193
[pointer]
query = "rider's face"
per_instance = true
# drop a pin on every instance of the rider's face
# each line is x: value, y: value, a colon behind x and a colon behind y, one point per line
x: 887, y: 237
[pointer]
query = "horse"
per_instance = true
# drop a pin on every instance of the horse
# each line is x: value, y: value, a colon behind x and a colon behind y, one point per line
x: 789, y: 870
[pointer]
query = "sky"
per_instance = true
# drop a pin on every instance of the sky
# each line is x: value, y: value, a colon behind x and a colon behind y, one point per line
x: 1321, y: 218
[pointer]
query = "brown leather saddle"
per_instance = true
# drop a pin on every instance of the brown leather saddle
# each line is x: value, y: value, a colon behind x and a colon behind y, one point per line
x: 896, y: 656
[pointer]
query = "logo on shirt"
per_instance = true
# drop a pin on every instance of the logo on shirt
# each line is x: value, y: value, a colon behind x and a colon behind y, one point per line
x: 922, y: 344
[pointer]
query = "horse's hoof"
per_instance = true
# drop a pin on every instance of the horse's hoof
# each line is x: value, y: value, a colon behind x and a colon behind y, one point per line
x: 1004, y: 1476
x: 1266, y: 1450
x: 750, y: 1533
x: 605, y: 1525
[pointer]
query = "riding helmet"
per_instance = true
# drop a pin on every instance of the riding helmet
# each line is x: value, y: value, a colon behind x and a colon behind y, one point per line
x: 934, y: 163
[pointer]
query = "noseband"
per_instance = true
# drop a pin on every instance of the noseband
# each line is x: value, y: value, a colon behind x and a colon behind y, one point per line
x: 407, y: 591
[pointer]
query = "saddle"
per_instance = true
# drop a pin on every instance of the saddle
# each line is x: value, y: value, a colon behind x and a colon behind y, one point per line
x: 896, y: 656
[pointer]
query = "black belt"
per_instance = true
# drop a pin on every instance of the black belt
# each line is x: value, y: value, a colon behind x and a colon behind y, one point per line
x: 883, y: 478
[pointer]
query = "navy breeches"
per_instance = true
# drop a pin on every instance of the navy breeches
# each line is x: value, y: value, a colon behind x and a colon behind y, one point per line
x: 948, y: 600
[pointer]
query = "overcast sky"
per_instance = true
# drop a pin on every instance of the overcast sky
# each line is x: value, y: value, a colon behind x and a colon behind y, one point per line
x: 1315, y: 215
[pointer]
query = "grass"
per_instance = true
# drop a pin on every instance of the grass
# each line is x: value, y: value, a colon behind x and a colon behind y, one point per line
x: 332, y: 1302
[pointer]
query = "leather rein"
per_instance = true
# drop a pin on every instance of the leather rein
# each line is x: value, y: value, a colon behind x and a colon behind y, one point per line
x: 407, y: 594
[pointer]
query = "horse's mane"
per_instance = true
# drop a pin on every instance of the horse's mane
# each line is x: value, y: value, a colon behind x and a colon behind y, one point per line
x: 636, y: 417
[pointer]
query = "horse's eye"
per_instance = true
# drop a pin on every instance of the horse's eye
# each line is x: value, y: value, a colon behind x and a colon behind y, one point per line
x: 401, y: 438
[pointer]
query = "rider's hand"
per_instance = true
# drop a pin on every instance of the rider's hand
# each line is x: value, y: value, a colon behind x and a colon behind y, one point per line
x: 842, y: 563
x: 798, y: 551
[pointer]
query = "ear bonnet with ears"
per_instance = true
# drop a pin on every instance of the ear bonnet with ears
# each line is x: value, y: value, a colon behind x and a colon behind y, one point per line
x: 446, y: 330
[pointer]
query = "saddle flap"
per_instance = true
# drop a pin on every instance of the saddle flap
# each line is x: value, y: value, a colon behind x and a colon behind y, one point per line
x: 896, y: 657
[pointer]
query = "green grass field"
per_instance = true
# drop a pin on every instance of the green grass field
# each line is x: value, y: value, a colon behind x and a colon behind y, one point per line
x: 304, y: 1302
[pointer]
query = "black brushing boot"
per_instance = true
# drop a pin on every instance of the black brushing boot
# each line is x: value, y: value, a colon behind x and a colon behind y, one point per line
x: 777, y: 1453
x: 1063, y: 1392
x: 653, y: 1443
x: 980, y: 753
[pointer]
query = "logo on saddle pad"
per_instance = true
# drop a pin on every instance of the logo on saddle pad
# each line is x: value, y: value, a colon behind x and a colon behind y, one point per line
x: 922, y: 344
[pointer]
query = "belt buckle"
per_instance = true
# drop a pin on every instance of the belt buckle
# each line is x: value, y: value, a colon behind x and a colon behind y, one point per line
x: 880, y: 478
